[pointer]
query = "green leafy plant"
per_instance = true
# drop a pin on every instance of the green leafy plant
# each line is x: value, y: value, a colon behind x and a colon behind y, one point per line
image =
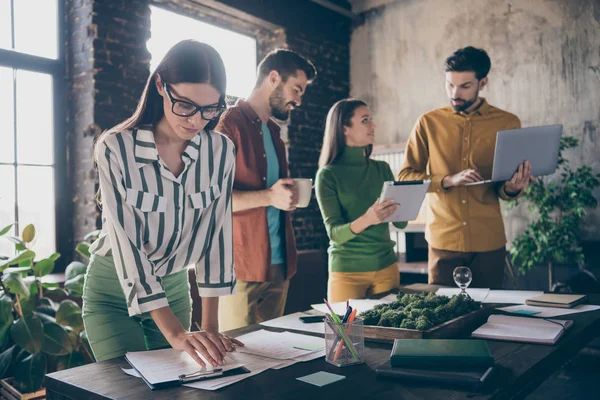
x: 558, y: 207
x: 419, y: 311
x: 38, y: 334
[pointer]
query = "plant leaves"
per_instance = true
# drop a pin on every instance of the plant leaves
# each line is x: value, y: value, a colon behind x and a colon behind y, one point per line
x: 17, y: 259
x: 4, y: 231
x: 75, y: 359
x: 30, y: 372
x: 15, y: 285
x: 6, y: 360
x: 54, y: 256
x: 75, y: 268
x: 43, y: 267
x: 92, y: 234
x: 69, y: 313
x: 84, y: 250
x: 57, y: 342
x: 28, y: 333
x: 75, y: 285
x: 19, y: 244
x: 28, y: 233
x: 5, y: 325
x: 15, y: 270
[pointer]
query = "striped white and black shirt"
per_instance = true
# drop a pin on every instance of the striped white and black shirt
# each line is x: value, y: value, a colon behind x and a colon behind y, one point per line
x: 156, y: 224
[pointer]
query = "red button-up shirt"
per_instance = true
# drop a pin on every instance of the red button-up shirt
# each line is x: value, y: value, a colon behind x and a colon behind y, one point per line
x: 251, y: 245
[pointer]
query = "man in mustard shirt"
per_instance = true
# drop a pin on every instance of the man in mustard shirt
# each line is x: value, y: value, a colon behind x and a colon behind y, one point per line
x: 453, y: 146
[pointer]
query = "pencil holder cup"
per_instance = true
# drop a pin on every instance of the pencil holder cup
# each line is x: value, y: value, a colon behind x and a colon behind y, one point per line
x: 344, y: 343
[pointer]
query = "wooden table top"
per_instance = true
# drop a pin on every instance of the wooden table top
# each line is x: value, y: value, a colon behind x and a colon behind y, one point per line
x: 522, y: 367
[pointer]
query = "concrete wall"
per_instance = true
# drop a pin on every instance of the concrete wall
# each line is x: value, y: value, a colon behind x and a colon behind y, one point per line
x: 545, y: 66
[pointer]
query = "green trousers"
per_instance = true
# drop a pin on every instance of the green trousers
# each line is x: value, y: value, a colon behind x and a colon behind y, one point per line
x: 110, y: 330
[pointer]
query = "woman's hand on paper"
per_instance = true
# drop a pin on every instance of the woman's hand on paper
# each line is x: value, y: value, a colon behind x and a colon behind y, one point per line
x: 212, y: 346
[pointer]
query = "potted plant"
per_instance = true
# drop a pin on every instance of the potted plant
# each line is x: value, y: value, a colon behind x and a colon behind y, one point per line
x: 558, y: 206
x: 41, y: 329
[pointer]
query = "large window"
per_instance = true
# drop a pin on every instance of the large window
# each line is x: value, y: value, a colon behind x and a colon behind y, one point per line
x: 31, y: 151
x: 238, y: 51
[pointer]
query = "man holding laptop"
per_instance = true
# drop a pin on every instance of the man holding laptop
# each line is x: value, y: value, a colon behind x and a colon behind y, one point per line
x: 454, y: 147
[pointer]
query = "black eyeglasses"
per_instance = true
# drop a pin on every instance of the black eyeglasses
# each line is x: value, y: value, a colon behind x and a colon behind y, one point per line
x: 186, y: 109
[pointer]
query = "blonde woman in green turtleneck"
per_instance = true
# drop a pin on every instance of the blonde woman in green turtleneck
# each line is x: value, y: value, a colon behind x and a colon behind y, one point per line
x: 362, y: 261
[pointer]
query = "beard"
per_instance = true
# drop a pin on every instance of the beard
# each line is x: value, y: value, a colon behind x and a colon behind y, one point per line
x: 465, y: 104
x: 278, y: 104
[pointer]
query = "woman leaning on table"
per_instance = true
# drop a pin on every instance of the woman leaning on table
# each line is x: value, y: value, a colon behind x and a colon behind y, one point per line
x: 362, y: 260
x: 165, y: 189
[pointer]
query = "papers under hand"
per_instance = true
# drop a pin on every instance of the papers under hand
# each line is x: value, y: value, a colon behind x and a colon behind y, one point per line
x: 168, y: 367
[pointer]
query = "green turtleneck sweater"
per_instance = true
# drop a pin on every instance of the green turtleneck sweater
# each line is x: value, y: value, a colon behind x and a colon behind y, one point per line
x: 345, y: 191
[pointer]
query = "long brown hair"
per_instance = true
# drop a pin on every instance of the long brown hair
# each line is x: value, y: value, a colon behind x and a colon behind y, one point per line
x: 189, y: 61
x: 334, y: 141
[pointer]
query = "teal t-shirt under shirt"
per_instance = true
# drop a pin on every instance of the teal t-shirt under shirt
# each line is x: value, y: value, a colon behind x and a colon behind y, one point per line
x: 273, y: 214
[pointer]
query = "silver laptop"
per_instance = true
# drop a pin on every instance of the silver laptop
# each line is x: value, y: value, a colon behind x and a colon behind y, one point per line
x: 539, y: 145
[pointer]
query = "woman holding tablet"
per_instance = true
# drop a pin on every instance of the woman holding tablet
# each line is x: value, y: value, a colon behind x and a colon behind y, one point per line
x: 362, y: 261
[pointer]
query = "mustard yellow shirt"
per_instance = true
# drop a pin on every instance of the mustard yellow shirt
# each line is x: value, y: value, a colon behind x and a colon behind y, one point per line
x: 445, y: 142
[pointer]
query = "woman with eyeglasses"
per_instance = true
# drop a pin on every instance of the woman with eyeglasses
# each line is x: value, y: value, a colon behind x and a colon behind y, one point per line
x: 165, y: 192
x: 362, y: 261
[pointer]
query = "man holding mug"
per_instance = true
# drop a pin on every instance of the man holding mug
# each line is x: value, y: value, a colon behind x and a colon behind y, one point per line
x: 263, y: 239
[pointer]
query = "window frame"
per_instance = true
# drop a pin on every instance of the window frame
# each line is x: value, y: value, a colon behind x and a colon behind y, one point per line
x: 57, y: 70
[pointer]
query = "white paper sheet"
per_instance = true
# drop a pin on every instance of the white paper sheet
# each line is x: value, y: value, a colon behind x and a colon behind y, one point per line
x: 167, y: 365
x: 475, y: 293
x: 279, y: 345
x: 340, y: 308
x: 254, y: 363
x: 292, y: 321
x: 510, y: 296
x: 545, y: 312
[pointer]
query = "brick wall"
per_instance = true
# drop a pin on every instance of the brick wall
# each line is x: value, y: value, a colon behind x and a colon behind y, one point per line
x: 109, y: 65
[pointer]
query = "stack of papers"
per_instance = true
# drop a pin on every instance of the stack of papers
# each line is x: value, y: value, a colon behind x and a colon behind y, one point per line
x: 545, y: 312
x: 263, y: 350
x: 292, y: 321
x: 360, y: 304
x: 493, y: 296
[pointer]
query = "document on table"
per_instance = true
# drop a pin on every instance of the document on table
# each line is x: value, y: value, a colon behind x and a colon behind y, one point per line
x: 545, y: 312
x: 292, y: 321
x: 475, y: 293
x: 340, y: 308
x: 280, y: 345
x: 285, y: 344
x: 510, y: 296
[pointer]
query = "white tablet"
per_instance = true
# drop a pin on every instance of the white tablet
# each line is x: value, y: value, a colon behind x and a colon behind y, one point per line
x: 409, y: 195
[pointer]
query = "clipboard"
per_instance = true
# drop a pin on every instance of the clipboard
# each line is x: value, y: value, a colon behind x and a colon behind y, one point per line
x: 163, y: 381
x: 409, y: 195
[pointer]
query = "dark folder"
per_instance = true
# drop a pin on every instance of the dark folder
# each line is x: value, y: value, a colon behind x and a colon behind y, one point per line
x: 471, y: 378
x: 417, y: 353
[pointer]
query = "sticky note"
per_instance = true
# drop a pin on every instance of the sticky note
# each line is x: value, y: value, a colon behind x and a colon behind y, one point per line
x: 321, y: 378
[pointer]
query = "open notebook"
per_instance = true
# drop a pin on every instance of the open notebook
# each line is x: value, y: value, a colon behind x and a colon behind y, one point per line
x: 522, y: 329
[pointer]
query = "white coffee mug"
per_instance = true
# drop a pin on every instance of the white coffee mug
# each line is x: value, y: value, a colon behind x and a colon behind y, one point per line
x: 304, y: 187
